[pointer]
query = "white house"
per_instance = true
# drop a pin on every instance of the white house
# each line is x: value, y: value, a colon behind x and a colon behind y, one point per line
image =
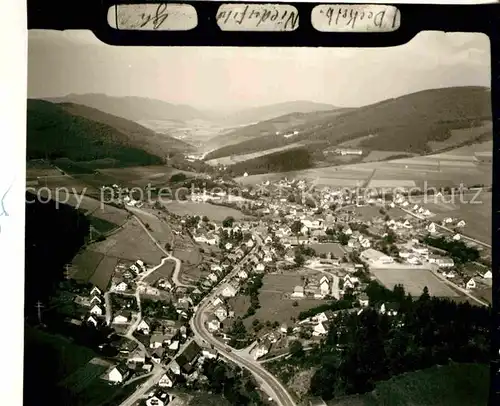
x: 250, y: 243
x: 221, y: 313
x: 96, y: 310
x: 320, y: 329
x: 228, y: 246
x: 228, y: 290
x: 457, y: 237
x: 209, y: 353
x: 471, y: 284
x: 143, y: 327
x: 121, y: 287
x: 261, y: 349
x: 217, y: 301
x: 461, y: 223
x: 260, y: 267
x: 431, y: 228
x: 96, y: 291
x: 324, y: 286
x: 96, y: 299
x: 242, y: 274
x: 165, y: 382
x: 120, y: 319
x: 118, y: 374
x: 375, y: 257
x: 92, y: 320
x: 213, y: 324
x: 298, y: 292
x: 155, y: 401
x: 212, y: 277
x: 389, y: 309
x: 488, y: 275
x: 138, y: 356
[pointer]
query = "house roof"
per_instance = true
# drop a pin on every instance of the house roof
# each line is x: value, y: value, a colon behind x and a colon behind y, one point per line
x: 189, y: 354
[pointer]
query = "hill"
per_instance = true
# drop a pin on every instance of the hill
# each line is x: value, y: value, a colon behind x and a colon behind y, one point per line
x: 138, y: 135
x: 53, y: 132
x: 133, y: 108
x: 455, y: 384
x: 270, y: 127
x: 282, y: 161
x: 262, y: 113
x: 407, y: 123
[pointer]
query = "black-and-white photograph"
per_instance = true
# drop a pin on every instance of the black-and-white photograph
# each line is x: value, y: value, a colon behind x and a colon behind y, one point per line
x: 258, y: 226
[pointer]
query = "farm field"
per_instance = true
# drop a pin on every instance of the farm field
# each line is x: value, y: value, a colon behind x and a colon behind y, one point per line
x: 163, y: 272
x: 455, y: 384
x: 229, y: 160
x: 159, y: 228
x: 213, y: 212
x: 65, y: 373
x: 462, y: 135
x: 414, y: 281
x: 84, y: 265
x: 477, y: 213
x: 273, y: 305
x: 189, y: 254
x: 103, y: 272
x: 335, y: 248
x: 375, y: 155
x: 436, y: 170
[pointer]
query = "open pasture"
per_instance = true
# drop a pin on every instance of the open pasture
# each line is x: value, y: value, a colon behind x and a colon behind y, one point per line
x: 213, y: 212
x: 103, y: 272
x: 158, y: 228
x: 461, y: 136
x: 376, y: 155
x: 335, y: 248
x: 130, y: 243
x: 233, y: 159
x: 280, y: 283
x: 84, y: 265
x: 163, y: 272
x: 414, y: 281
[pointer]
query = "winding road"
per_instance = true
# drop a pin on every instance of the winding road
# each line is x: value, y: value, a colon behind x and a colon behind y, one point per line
x: 269, y: 383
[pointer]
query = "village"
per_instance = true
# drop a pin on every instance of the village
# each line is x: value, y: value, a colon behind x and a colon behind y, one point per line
x: 312, y: 256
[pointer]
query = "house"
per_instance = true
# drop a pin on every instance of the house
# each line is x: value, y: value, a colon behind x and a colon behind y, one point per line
x: 471, y: 284
x: 143, y: 327
x: 488, y: 275
x: 96, y: 300
x: 165, y: 381
x: 363, y: 299
x: 320, y: 329
x: 215, y: 268
x: 209, y: 353
x: 324, y: 286
x: 375, y: 257
x: 228, y: 290
x: 213, y: 324
x: 138, y: 356
x: 298, y: 292
x: 260, y: 267
x: 445, y: 262
x: 324, y: 316
x: 155, y: 401
x: 461, y: 223
x: 175, y: 367
x: 121, y: 318
x: 158, y: 354
x: 228, y: 246
x: 118, y: 374
x: 250, y: 243
x: 188, y: 357
x: 242, y: 274
x: 391, y: 309
x: 457, y: 237
x: 262, y: 349
x: 121, y: 287
x: 217, y: 301
x: 156, y: 340
x: 96, y: 310
x: 221, y: 313
x: 212, y: 277
x: 431, y: 228
x: 92, y: 320
x: 96, y: 291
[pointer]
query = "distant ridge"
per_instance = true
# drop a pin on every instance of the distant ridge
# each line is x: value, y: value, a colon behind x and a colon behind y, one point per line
x: 133, y: 108
x: 407, y: 123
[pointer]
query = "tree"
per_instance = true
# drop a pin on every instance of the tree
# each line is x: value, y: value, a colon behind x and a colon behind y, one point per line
x: 228, y: 222
x: 299, y: 259
x: 205, y: 219
x: 296, y: 227
x: 168, y: 246
x: 295, y: 304
x: 296, y: 349
x: 425, y: 295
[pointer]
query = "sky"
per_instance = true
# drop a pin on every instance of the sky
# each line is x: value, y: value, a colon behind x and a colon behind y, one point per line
x: 64, y: 62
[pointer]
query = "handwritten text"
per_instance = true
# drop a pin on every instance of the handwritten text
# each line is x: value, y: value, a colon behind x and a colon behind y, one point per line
x: 355, y: 18
x: 257, y: 17
x: 153, y: 17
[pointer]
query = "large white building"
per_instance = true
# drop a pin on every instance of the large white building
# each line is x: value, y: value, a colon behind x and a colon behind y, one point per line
x: 375, y: 257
